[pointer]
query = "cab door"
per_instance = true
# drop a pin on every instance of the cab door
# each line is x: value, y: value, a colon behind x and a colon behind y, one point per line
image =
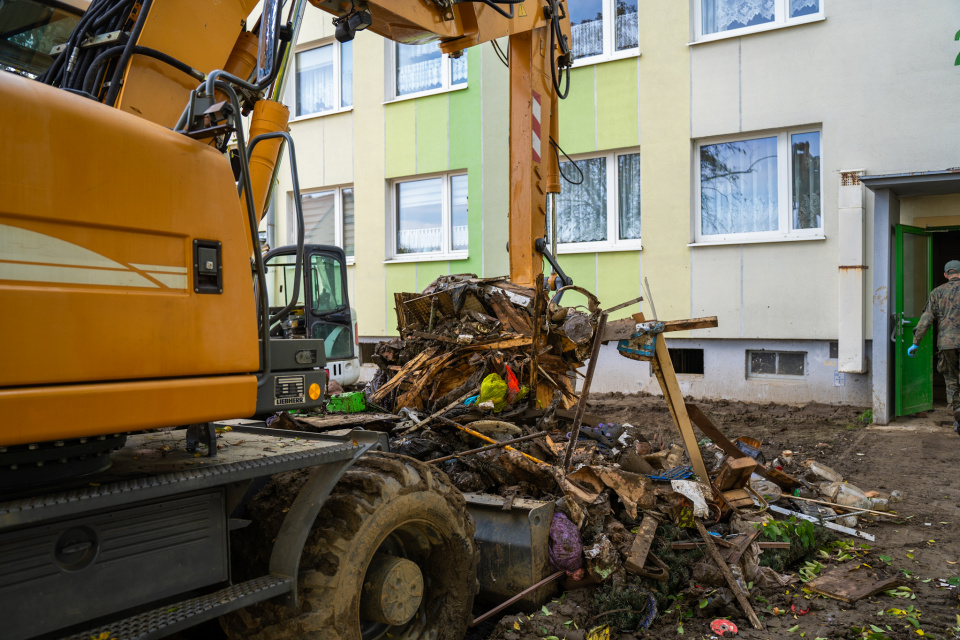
x: 913, y: 377
x: 328, y: 307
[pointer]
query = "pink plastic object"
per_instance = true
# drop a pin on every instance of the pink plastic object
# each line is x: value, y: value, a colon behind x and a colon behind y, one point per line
x: 723, y: 628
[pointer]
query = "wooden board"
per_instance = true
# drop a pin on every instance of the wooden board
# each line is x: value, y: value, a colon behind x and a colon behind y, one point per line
x: 711, y: 431
x: 851, y: 582
x: 662, y: 366
x: 624, y: 329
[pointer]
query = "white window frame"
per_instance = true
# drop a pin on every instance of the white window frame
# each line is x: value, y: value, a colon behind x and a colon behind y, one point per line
x: 785, y: 230
x: 777, y: 376
x: 781, y: 19
x: 446, y: 221
x: 446, y: 77
x: 609, y: 38
x: 337, y: 71
x: 613, y: 241
x: 337, y: 216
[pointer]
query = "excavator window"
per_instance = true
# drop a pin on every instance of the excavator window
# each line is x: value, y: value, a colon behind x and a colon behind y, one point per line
x: 30, y: 30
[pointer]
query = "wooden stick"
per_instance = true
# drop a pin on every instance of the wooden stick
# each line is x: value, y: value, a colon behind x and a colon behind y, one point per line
x: 477, y: 434
x: 831, y: 504
x: 432, y: 416
x: 623, y: 305
x: 489, y: 447
x: 582, y: 404
x: 737, y: 591
x: 500, y: 607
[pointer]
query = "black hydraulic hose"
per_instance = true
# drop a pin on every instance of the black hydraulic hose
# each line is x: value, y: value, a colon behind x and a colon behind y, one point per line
x: 114, y: 90
x: 245, y: 188
x: 101, y: 60
x: 557, y: 33
x: 56, y: 69
x: 115, y: 10
x: 297, y: 272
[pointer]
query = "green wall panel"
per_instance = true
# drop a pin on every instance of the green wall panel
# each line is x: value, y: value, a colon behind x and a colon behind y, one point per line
x: 427, y: 272
x: 578, y: 113
x: 400, y: 278
x: 582, y: 267
x: 617, y: 104
x: 401, y: 140
x: 432, y: 133
x: 618, y: 280
x: 465, y: 128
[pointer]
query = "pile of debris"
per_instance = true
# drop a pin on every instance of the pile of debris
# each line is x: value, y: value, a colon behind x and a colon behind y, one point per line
x: 462, y: 328
x: 632, y: 511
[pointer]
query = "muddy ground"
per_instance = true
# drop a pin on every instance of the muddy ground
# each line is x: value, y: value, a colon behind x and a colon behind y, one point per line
x: 918, y: 457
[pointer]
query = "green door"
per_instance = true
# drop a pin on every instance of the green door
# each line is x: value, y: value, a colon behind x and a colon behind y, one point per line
x: 914, y: 271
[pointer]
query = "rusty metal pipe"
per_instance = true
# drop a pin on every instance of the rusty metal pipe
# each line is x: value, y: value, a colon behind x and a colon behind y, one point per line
x: 500, y: 607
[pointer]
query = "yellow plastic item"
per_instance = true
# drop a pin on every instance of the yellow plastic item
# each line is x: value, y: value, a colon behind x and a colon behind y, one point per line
x: 494, y: 389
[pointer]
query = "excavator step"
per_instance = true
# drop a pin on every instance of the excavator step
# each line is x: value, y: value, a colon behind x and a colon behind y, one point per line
x: 171, y: 618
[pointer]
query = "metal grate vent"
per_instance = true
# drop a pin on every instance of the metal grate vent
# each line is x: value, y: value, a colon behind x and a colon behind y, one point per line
x: 851, y: 178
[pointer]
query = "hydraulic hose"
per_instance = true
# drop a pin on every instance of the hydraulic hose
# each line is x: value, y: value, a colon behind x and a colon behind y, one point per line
x: 101, y: 60
x: 114, y: 90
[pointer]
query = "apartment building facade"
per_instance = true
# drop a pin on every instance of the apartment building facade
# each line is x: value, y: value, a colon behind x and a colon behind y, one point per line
x: 748, y: 159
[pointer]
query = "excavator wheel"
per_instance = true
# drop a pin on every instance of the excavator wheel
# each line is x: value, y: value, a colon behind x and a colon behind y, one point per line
x: 391, y: 555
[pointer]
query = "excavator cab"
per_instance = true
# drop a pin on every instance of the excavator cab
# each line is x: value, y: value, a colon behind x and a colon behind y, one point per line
x: 322, y: 310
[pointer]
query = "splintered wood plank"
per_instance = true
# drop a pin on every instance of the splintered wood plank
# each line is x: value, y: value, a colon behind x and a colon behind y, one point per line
x: 851, y: 582
x: 508, y: 316
x: 708, y: 540
x: 401, y: 375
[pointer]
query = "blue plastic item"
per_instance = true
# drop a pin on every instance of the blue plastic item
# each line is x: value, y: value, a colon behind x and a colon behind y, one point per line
x: 677, y: 473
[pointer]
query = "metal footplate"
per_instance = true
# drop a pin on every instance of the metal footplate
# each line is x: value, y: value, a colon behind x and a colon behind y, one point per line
x: 171, y: 618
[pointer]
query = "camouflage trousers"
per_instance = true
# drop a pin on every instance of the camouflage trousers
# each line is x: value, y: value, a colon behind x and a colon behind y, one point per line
x: 948, y: 363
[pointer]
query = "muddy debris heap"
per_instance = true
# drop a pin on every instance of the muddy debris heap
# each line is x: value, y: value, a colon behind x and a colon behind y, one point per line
x: 480, y: 383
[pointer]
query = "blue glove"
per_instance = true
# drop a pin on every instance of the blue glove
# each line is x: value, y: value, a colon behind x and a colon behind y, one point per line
x: 912, y: 351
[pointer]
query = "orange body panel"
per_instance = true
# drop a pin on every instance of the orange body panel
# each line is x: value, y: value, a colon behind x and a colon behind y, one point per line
x: 98, y: 214
x: 268, y: 117
x: 77, y: 411
x: 200, y: 34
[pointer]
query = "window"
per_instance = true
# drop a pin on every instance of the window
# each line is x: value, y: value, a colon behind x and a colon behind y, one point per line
x: 325, y: 79
x: 327, y: 219
x: 430, y: 217
x: 720, y: 18
x: 687, y: 360
x: 763, y: 364
x: 421, y: 68
x: 758, y: 189
x: 603, y: 210
x: 603, y: 28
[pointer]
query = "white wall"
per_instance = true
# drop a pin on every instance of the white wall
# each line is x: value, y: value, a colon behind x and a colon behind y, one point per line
x: 725, y: 374
x: 878, y: 76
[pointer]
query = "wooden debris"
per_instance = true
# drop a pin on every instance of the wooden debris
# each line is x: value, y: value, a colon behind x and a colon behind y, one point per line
x: 641, y: 544
x: 728, y: 575
x: 851, y: 582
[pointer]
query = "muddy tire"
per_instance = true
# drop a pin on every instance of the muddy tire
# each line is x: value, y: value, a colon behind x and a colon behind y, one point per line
x: 385, y: 507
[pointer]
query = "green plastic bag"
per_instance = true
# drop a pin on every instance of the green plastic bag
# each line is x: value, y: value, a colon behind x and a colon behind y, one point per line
x: 494, y: 389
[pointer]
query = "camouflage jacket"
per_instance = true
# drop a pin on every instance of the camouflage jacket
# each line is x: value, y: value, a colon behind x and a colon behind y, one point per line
x: 944, y: 307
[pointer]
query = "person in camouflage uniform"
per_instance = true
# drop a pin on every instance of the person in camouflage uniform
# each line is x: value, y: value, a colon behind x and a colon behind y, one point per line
x: 943, y: 306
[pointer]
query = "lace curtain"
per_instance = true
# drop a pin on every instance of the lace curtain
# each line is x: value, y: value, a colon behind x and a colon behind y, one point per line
x: 588, y: 35
x: 738, y: 187
x: 419, y: 216
x: 722, y: 15
x: 348, y: 226
x: 582, y: 208
x: 315, y: 89
x: 628, y: 195
x: 803, y: 7
x: 420, y: 68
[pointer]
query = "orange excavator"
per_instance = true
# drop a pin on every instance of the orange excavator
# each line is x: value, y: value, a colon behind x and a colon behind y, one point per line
x: 139, y: 143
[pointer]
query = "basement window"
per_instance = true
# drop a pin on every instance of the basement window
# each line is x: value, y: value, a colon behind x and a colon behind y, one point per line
x: 779, y: 364
x: 687, y: 360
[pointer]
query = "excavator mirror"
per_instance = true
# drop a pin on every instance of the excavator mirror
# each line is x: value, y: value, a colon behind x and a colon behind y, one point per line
x: 266, y: 52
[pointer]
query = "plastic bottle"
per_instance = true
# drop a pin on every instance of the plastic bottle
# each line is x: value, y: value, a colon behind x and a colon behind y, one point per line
x: 825, y: 472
